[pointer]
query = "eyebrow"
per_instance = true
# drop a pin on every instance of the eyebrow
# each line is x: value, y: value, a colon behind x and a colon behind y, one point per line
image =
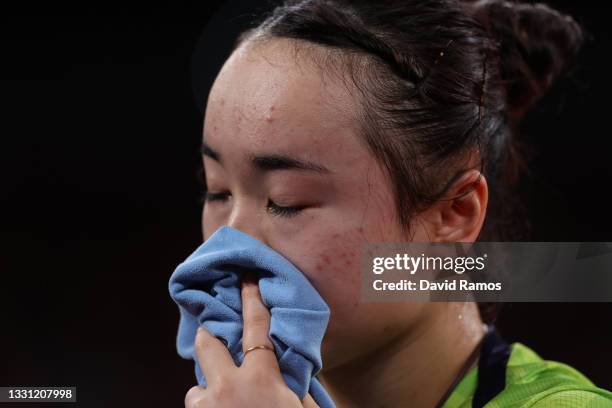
x: 271, y: 162
x: 206, y: 150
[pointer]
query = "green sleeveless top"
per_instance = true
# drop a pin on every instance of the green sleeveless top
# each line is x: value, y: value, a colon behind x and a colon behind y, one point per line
x: 532, y: 382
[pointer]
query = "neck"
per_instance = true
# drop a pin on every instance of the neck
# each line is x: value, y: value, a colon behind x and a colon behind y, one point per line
x: 414, y: 369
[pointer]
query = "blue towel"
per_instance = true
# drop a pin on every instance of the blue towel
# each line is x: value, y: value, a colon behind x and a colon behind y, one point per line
x: 206, y: 287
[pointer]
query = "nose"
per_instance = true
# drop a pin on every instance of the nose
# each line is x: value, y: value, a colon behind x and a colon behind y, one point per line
x: 245, y: 218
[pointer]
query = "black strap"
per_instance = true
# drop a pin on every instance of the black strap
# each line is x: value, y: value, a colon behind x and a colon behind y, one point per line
x: 494, y: 356
x: 467, y: 365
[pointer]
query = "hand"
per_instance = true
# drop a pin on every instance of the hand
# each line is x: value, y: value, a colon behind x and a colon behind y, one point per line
x: 258, y: 381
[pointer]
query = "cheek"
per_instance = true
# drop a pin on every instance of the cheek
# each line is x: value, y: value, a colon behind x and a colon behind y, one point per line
x: 337, y: 262
x: 332, y: 264
x: 331, y: 260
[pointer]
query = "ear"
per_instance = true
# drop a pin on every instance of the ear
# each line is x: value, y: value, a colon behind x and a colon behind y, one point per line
x: 461, y: 212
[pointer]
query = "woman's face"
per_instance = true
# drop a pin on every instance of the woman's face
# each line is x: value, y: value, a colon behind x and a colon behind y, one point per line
x: 287, y: 137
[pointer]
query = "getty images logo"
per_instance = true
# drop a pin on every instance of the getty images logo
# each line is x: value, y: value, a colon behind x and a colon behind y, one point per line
x: 412, y: 264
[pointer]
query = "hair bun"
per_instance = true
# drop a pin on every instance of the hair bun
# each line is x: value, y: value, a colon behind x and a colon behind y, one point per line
x: 537, y: 44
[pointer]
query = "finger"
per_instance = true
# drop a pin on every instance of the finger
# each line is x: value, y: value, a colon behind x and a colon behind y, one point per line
x: 308, y: 402
x: 213, y: 356
x: 256, y: 325
x: 195, y: 397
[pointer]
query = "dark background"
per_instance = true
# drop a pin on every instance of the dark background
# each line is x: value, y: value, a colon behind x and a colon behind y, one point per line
x: 99, y: 195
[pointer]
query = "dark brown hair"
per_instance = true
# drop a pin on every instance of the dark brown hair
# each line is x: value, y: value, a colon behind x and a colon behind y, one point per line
x: 441, y: 82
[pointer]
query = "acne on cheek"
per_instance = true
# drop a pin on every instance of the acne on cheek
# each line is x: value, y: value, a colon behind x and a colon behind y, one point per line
x: 268, y: 116
x: 340, y: 261
x: 335, y: 264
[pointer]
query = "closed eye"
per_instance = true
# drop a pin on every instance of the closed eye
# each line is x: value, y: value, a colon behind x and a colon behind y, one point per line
x: 208, y: 196
x: 272, y: 207
x: 283, y: 211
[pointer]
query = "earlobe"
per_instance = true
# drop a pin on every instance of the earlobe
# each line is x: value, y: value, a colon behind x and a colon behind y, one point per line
x: 463, y: 209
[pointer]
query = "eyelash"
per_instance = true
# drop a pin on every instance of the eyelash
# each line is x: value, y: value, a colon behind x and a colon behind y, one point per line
x: 274, y: 208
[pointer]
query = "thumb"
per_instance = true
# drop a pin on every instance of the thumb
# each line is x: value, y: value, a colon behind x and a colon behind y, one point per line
x: 308, y: 402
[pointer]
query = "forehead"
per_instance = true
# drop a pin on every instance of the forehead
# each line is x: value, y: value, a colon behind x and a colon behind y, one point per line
x: 266, y: 97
